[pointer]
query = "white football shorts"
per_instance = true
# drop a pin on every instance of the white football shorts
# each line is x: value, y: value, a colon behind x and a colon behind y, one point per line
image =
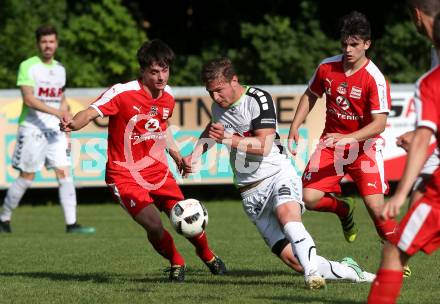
x: 431, y: 164
x: 260, y: 202
x: 36, y: 148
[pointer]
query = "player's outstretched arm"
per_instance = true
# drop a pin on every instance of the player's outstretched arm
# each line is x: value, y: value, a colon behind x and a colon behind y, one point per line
x: 204, y: 143
x: 173, y: 149
x: 306, y: 104
x: 417, y: 156
x: 79, y: 121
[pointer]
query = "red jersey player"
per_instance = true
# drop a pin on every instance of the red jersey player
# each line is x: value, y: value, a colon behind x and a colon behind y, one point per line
x: 137, y: 171
x: 357, y: 103
x: 419, y: 230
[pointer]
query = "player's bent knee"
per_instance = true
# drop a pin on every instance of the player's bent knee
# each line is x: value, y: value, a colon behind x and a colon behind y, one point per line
x: 61, y: 173
x: 27, y: 175
x: 150, y: 220
x: 311, y: 197
x: 289, y: 212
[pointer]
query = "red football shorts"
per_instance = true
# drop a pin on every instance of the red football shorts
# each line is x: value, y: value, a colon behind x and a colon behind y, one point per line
x: 328, y: 166
x: 133, y: 196
x: 420, y: 228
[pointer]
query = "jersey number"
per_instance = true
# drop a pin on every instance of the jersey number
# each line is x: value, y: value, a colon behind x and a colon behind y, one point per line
x: 152, y: 125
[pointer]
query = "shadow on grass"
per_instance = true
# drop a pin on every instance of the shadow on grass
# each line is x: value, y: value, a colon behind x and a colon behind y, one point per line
x: 246, y: 272
x: 55, y: 276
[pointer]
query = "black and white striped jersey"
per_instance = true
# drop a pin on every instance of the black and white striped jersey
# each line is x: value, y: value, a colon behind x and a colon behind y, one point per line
x: 254, y: 110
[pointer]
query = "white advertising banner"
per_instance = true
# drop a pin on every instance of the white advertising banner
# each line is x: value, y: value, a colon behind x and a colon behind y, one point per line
x: 191, y: 114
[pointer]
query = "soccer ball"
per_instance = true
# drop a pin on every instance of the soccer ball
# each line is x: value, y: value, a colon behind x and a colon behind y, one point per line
x: 189, y: 217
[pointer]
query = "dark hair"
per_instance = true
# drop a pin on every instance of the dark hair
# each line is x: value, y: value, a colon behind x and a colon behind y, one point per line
x: 154, y: 52
x: 355, y: 24
x: 45, y: 30
x: 429, y: 7
x: 219, y: 68
x: 436, y: 31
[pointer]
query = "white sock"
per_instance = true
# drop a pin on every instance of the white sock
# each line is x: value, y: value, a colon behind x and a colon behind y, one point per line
x: 303, y: 245
x: 13, y: 197
x: 335, y: 270
x: 67, y: 196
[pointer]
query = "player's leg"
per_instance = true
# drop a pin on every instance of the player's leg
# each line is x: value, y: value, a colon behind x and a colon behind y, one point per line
x: 67, y: 194
x: 386, y: 287
x: 386, y: 229
x: 13, y: 197
x: 58, y: 159
x: 368, y: 173
x: 28, y: 158
x: 347, y: 269
x: 320, y: 182
x: 287, y: 203
x: 165, y: 198
x: 418, y: 191
x: 289, y: 217
x: 419, y: 230
x: 138, y: 203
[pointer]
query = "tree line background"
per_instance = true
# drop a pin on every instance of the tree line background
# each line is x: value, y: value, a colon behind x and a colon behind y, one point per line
x: 270, y: 41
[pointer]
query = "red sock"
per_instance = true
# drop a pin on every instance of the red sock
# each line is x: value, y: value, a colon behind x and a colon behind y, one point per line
x: 165, y: 247
x: 385, y: 288
x: 202, y: 249
x: 387, y: 230
x: 328, y: 203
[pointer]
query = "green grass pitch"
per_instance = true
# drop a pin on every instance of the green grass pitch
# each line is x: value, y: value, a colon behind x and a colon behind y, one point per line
x: 39, y: 263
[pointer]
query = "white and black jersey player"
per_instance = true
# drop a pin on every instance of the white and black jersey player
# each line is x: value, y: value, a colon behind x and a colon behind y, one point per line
x: 244, y: 119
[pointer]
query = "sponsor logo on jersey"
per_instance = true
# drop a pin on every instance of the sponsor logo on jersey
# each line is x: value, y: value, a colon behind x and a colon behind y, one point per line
x: 342, y: 88
x: 153, y: 111
x: 344, y: 116
x: 50, y: 92
x: 343, y: 103
x: 355, y: 92
x: 284, y: 191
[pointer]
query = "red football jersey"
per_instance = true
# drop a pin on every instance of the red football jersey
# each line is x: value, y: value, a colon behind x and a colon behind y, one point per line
x: 427, y: 101
x: 136, y: 130
x: 350, y: 100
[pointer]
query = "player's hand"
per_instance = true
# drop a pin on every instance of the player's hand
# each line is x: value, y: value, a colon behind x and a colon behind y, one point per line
x: 188, y: 166
x: 404, y: 140
x: 392, y: 207
x: 66, y: 122
x: 179, y: 164
x: 217, y: 132
x: 292, y: 141
x: 337, y: 140
x: 64, y: 113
